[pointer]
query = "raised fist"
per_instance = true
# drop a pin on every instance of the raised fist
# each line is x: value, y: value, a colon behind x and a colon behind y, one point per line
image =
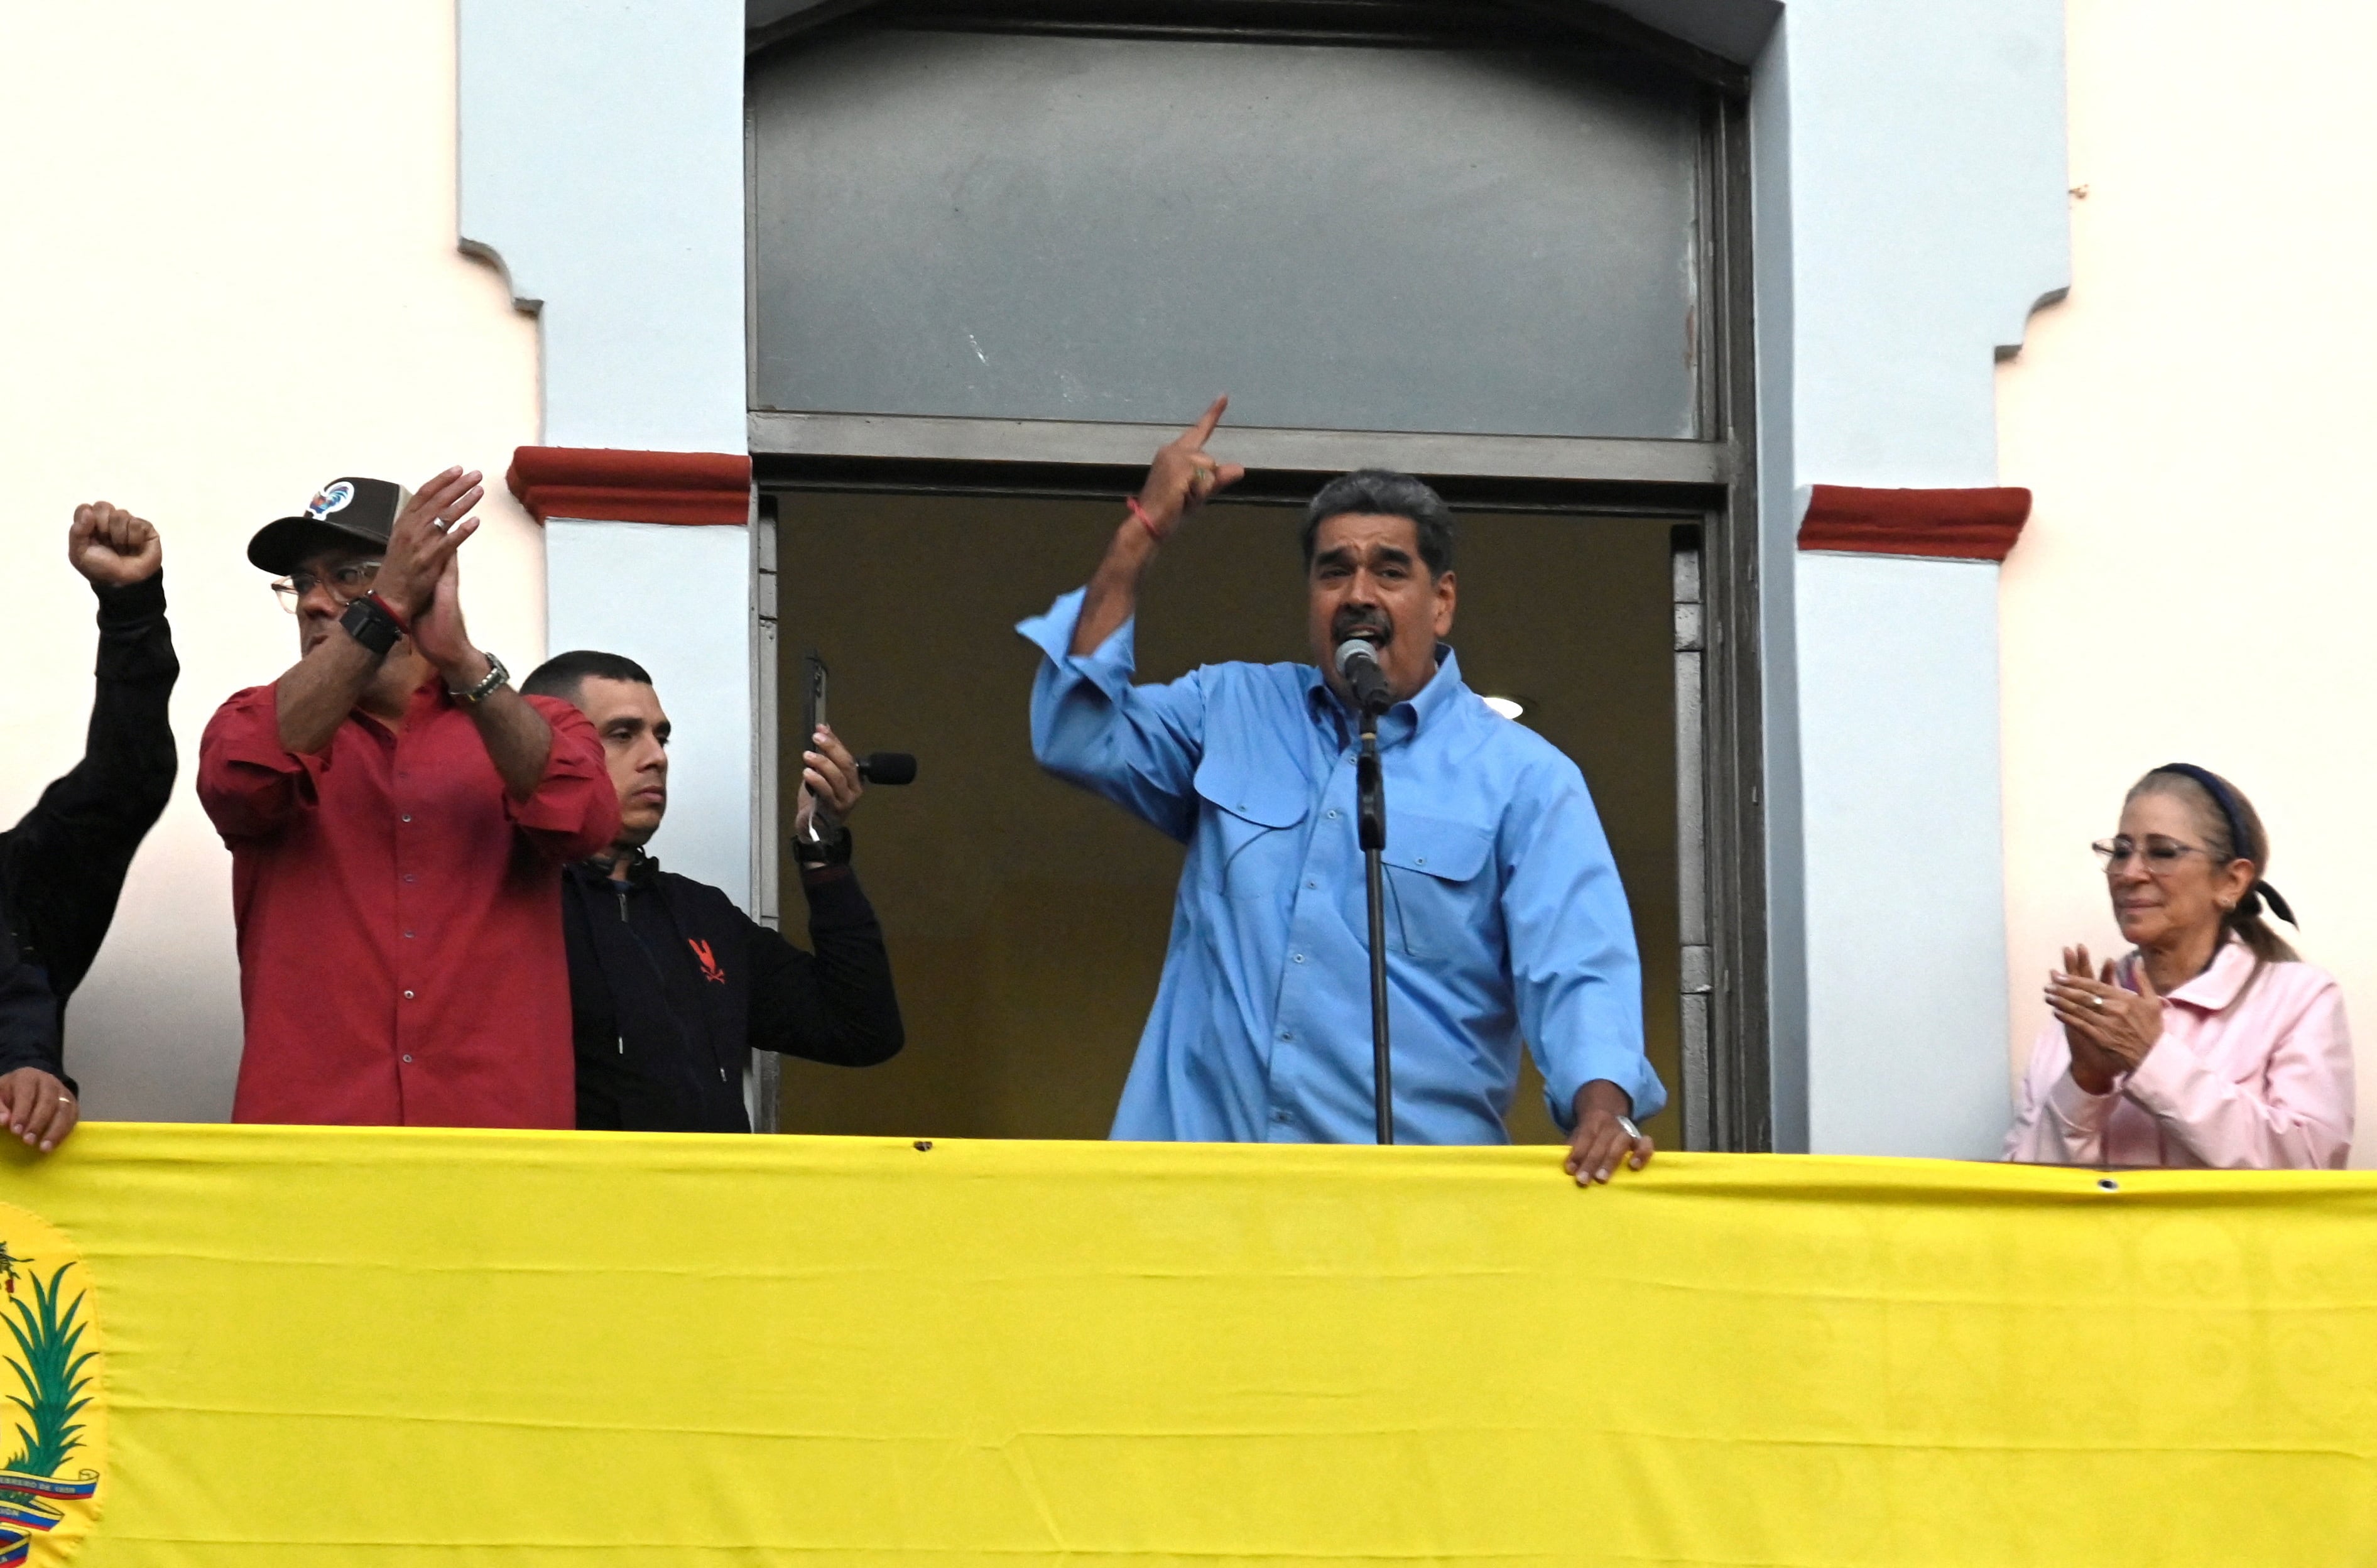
x: 111, y: 547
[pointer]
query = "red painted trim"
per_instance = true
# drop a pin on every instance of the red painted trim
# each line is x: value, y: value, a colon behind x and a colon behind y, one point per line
x: 1979, y: 525
x: 606, y: 484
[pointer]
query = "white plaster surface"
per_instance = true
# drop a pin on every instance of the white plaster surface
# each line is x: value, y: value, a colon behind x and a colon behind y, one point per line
x: 1898, y: 673
x: 212, y: 307
x: 672, y: 598
x: 1910, y: 170
x: 602, y: 161
x: 2193, y: 585
x: 1927, y: 166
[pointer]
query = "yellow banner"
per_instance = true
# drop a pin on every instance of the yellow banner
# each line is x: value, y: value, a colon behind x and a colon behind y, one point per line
x: 372, y: 1347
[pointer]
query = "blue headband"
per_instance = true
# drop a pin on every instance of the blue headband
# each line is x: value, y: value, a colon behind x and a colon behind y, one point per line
x: 2225, y: 799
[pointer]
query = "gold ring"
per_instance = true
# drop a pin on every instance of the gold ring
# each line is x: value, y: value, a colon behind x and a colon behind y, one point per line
x: 2099, y: 1001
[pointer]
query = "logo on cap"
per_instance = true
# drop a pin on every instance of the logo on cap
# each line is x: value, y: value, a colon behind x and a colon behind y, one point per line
x: 329, y: 499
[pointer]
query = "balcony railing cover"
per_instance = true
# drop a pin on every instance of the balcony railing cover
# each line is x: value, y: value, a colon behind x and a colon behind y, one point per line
x: 384, y: 1346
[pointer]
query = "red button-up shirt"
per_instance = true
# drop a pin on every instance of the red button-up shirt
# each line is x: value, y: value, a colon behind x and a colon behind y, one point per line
x: 400, y: 957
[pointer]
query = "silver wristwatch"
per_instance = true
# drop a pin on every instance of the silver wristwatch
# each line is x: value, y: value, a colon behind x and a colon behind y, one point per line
x: 497, y: 674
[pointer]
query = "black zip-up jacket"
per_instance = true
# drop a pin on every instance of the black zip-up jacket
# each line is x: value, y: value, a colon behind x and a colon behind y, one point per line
x: 673, y: 987
x: 61, y: 867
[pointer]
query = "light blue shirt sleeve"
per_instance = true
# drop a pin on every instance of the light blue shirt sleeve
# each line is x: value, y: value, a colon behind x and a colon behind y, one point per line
x: 1138, y: 745
x: 1573, y: 967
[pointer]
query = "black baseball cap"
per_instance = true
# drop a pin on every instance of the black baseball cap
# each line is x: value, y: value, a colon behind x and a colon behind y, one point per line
x: 344, y: 513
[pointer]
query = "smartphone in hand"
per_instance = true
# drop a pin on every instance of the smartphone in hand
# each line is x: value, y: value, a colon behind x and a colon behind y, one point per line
x: 813, y: 688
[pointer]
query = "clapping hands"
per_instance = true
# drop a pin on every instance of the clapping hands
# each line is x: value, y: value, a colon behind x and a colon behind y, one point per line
x: 2110, y: 1028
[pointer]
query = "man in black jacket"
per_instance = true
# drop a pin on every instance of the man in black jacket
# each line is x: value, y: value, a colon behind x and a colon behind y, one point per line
x: 671, y: 985
x: 63, y: 865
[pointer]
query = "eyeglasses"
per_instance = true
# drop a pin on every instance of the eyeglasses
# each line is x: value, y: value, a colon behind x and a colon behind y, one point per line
x: 346, y: 583
x: 2162, y: 856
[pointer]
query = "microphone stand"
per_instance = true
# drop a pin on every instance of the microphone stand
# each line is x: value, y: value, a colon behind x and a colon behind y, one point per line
x: 1370, y: 812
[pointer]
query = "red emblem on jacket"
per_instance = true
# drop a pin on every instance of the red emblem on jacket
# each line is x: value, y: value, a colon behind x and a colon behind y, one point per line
x: 709, y: 970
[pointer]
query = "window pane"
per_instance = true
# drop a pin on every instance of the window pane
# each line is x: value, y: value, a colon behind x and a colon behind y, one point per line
x: 1063, y: 227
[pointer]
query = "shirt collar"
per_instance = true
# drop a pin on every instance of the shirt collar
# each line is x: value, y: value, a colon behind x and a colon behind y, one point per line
x: 595, y: 871
x: 2221, y: 981
x: 430, y: 694
x: 1415, y: 712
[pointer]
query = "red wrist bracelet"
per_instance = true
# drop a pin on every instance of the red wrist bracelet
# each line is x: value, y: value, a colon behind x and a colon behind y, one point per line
x: 1144, y: 520
x: 389, y: 611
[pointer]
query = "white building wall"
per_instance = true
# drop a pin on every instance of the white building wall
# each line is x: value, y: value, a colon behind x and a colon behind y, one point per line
x: 1908, y: 222
x: 2194, y: 585
x: 602, y: 163
x: 603, y: 579
x: 231, y: 275
x: 1905, y: 979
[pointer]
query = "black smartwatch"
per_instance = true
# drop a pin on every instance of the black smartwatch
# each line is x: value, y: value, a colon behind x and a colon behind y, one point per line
x: 371, y: 625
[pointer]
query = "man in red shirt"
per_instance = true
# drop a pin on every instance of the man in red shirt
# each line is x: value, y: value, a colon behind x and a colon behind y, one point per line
x: 397, y: 815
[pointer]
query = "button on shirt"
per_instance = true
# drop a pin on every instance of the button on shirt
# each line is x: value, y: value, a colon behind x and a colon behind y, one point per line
x: 2254, y: 1071
x: 400, y: 914
x: 1505, y: 920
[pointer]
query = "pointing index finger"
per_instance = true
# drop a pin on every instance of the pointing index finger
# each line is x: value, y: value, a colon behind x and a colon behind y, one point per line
x: 1203, y: 431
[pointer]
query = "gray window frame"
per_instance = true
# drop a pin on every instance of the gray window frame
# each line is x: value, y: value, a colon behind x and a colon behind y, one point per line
x: 1705, y: 488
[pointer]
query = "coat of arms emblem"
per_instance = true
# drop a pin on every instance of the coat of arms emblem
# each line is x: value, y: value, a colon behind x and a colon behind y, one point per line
x: 53, y: 1428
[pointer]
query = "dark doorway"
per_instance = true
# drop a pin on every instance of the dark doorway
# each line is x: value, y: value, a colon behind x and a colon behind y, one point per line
x: 1028, y: 921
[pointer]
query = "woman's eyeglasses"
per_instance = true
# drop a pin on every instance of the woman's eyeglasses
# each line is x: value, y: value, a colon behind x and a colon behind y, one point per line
x: 347, y: 582
x: 2161, y: 855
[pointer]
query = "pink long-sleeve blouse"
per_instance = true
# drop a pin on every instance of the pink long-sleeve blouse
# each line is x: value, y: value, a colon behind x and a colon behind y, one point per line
x: 2245, y: 1077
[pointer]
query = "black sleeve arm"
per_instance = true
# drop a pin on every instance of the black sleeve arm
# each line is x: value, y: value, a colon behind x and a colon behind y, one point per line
x: 29, y: 1015
x: 835, y: 1005
x: 68, y: 858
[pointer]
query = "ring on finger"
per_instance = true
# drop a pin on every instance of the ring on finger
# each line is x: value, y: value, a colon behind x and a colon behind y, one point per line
x: 2099, y: 1000
x: 1626, y: 1125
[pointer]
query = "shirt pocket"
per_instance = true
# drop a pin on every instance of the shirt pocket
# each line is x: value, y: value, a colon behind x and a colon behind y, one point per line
x: 1248, y: 838
x: 1437, y: 880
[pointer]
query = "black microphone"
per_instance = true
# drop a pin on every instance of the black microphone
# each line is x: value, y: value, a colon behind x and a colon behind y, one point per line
x: 887, y: 768
x: 1357, y: 661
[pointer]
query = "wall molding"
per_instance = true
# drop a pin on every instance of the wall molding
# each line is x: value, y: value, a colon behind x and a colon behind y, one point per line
x: 1978, y: 523
x: 611, y: 485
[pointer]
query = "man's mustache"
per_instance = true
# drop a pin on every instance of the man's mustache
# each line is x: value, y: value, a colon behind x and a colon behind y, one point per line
x: 1362, y: 623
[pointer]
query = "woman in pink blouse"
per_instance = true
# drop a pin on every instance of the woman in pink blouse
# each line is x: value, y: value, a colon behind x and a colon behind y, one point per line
x: 2212, y: 1044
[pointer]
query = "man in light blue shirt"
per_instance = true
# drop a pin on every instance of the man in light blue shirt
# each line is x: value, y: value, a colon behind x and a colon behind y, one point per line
x: 1505, y: 923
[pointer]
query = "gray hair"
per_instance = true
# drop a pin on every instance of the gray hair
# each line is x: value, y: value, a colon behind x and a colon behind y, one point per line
x: 1378, y: 492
